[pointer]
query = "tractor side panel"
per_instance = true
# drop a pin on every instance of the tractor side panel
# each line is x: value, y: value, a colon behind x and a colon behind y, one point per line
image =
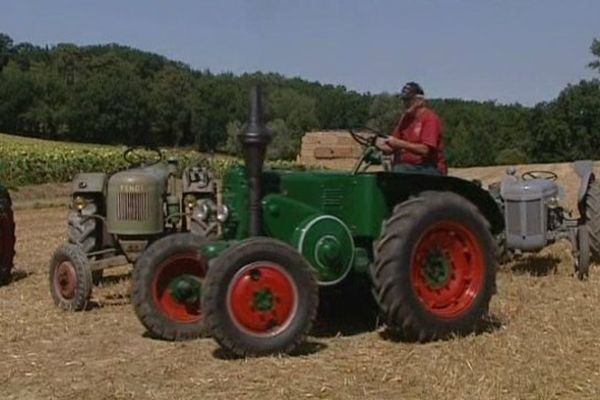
x: 361, y: 201
x: 357, y: 200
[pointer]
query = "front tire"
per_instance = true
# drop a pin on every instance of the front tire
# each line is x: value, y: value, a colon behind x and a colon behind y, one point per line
x: 260, y: 298
x: 167, y: 285
x: 70, y: 278
x: 7, y: 236
x: 435, y: 267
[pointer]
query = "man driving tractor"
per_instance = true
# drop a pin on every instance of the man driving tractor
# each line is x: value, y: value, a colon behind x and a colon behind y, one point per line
x: 417, y: 140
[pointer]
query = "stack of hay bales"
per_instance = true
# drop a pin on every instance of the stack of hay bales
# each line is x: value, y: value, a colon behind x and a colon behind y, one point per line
x: 329, y: 149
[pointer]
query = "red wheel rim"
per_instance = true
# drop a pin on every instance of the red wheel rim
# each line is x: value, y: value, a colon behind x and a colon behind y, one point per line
x: 447, y: 268
x: 189, y: 267
x: 65, y: 280
x: 262, y: 299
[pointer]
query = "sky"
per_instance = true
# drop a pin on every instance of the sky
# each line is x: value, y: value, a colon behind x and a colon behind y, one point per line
x: 509, y: 51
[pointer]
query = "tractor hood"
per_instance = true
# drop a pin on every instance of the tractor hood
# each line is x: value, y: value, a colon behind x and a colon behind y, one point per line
x: 528, y: 190
x: 134, y: 201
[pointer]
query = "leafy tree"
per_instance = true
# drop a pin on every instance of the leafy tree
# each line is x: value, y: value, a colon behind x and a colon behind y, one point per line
x: 109, y: 105
x: 285, y: 144
x: 511, y: 156
x: 170, y: 105
x: 232, y: 144
x: 6, y: 49
x: 17, y: 96
x: 292, y: 114
x: 116, y: 94
x: 595, y: 50
x: 384, y: 112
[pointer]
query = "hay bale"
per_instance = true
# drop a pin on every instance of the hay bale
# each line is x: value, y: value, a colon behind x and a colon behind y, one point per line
x: 330, y: 149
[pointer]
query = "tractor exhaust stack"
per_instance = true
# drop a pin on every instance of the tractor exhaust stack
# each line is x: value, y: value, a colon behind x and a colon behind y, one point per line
x: 255, y: 139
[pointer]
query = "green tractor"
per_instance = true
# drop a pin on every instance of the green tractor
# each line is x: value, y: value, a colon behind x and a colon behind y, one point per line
x: 112, y: 219
x: 424, y: 244
x: 7, y: 236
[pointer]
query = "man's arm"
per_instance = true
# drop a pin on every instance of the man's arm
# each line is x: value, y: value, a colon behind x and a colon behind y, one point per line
x: 416, y: 148
x: 382, y: 145
x: 430, y: 136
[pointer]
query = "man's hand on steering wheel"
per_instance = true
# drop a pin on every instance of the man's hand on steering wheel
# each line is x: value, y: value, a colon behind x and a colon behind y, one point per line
x: 367, y: 136
x: 383, y: 146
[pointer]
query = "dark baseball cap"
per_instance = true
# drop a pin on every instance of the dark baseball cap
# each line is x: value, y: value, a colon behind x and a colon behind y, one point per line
x: 410, y: 90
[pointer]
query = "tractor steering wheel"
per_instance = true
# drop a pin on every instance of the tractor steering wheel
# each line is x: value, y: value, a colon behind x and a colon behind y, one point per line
x: 373, y: 134
x: 135, y: 159
x: 368, y: 143
x: 547, y: 175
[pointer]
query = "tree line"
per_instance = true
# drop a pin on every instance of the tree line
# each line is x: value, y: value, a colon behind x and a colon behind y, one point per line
x: 115, y: 94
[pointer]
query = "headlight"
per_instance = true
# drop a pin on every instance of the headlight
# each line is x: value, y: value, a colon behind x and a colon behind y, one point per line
x: 79, y: 202
x: 222, y: 213
x: 204, y: 208
x: 189, y: 201
x: 203, y: 212
x: 552, y: 202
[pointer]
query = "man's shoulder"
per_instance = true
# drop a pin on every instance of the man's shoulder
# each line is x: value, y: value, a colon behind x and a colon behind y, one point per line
x: 429, y: 114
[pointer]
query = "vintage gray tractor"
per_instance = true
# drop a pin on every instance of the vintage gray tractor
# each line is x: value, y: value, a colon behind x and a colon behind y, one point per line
x: 7, y: 236
x: 535, y: 218
x: 112, y: 219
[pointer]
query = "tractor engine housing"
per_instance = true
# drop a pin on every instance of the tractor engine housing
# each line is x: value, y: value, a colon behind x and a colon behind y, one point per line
x: 134, y: 202
x: 526, y: 212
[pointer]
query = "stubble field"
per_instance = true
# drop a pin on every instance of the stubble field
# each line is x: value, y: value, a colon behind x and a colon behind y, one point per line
x: 542, y: 342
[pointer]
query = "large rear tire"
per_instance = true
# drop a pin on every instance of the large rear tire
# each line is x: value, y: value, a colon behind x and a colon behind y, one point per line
x: 435, y: 267
x: 83, y: 231
x: 7, y: 236
x: 583, y: 254
x: 167, y: 285
x: 260, y: 298
x: 592, y: 218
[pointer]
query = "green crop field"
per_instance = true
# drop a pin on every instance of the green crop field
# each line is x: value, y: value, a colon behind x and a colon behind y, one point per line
x: 26, y: 161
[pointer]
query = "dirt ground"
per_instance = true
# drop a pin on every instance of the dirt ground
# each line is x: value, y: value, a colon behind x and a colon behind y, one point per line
x: 541, y: 344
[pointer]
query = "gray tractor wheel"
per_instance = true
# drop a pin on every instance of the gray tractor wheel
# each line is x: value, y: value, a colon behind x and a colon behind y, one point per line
x: 582, y: 260
x: 83, y: 232
x: 7, y: 236
x: 592, y: 218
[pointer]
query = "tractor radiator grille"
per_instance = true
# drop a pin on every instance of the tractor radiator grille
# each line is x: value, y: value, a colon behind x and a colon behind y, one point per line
x: 513, y: 217
x: 533, y: 210
x: 132, y: 206
x: 524, y: 218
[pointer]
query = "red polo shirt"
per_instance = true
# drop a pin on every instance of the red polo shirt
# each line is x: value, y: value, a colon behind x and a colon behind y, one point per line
x: 425, y: 128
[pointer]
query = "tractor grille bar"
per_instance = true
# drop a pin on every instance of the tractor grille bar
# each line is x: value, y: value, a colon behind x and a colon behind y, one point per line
x: 525, y: 218
x: 332, y: 197
x: 533, y: 210
x: 132, y: 206
x: 513, y: 217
